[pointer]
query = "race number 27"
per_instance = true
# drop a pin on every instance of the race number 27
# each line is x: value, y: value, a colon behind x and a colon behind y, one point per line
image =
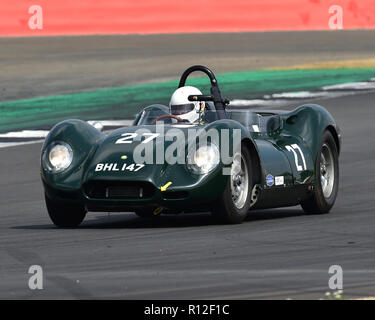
x: 294, y: 148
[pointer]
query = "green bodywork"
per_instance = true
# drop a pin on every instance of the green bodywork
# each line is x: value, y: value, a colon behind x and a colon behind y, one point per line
x: 303, y: 126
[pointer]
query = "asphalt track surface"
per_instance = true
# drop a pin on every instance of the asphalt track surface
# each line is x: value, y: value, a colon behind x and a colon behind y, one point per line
x: 274, y: 254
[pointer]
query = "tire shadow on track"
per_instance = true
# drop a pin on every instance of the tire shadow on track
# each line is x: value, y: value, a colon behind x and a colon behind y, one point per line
x: 131, y: 221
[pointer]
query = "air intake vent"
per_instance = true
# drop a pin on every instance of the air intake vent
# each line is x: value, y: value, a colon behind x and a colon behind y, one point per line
x: 119, y: 190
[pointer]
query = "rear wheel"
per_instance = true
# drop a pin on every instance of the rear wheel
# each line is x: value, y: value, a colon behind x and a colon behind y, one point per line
x: 63, y: 215
x: 327, y: 177
x: 234, y: 202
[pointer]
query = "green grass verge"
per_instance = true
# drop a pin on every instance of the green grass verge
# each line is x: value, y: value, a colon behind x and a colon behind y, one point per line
x: 125, y: 102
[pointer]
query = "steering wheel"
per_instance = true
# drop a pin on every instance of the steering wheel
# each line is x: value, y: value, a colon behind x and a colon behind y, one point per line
x: 164, y: 116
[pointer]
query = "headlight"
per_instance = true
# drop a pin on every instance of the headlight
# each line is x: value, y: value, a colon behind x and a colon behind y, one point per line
x: 204, y: 159
x: 58, y: 156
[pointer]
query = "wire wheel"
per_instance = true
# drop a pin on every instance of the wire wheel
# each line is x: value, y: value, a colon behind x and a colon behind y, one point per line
x: 327, y: 171
x: 239, y: 181
x: 327, y: 177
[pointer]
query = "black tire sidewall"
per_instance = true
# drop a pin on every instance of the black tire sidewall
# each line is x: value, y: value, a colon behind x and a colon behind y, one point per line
x: 325, y: 204
x: 65, y: 215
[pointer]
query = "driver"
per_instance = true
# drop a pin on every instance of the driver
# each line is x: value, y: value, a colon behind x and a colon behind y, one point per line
x: 180, y: 106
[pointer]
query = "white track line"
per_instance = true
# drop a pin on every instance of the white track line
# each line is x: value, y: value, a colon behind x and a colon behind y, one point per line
x: 15, y: 144
x: 256, y: 102
x: 351, y: 86
x: 299, y: 95
x: 113, y: 123
x: 41, y: 134
x: 25, y: 134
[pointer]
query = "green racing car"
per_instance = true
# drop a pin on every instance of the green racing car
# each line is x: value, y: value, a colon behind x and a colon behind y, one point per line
x: 197, y: 154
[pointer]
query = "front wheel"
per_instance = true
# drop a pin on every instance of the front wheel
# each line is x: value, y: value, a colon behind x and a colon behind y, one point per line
x: 327, y: 177
x: 234, y: 202
x: 63, y: 215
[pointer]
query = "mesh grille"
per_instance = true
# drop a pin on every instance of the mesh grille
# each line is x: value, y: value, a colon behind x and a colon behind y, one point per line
x: 119, y: 190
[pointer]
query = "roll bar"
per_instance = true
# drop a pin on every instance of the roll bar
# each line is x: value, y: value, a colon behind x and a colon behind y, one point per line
x: 215, y: 96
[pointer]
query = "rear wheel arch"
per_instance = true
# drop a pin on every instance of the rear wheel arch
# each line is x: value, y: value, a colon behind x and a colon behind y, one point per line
x: 335, y: 135
x: 319, y: 202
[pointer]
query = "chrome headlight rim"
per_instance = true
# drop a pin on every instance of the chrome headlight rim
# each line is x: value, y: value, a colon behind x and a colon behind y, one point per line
x: 197, y: 169
x: 46, y: 161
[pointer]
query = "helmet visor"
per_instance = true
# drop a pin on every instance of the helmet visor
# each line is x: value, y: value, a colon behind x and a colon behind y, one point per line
x: 178, y: 109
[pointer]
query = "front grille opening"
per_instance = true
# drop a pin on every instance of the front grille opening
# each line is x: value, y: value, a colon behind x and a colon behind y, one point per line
x: 174, y: 195
x: 119, y: 190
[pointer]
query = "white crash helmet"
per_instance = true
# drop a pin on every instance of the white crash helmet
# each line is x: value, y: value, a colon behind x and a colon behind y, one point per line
x: 182, y: 107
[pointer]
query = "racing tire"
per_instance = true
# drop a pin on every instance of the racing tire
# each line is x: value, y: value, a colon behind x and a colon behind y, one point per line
x: 64, y: 215
x: 327, y: 177
x: 234, y: 203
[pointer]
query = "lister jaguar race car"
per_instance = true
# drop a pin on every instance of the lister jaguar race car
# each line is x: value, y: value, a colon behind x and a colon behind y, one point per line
x: 227, y: 162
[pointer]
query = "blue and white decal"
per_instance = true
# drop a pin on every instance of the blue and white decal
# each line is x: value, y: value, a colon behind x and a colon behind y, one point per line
x: 270, y: 180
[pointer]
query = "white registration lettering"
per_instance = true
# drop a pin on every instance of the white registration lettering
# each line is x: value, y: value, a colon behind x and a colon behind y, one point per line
x: 99, y: 167
x: 139, y: 167
x: 133, y: 167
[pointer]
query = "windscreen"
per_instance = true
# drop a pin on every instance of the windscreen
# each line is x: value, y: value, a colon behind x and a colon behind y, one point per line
x: 254, y: 121
x: 150, y: 114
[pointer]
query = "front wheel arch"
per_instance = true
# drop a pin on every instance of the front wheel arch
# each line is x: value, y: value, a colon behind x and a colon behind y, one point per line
x: 255, y: 160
